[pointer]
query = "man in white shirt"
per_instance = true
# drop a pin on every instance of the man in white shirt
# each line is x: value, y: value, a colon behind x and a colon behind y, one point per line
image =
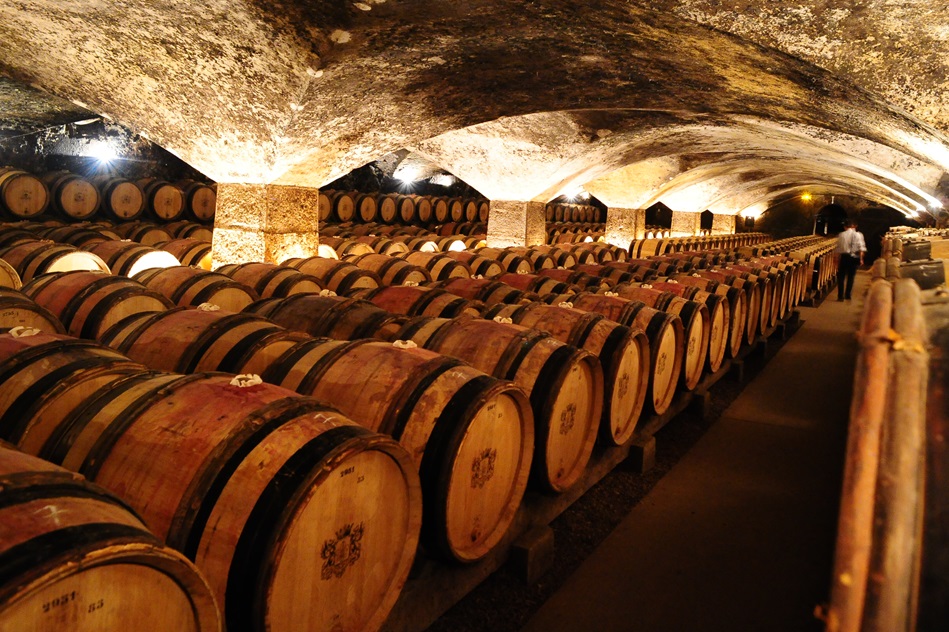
x: 850, y: 250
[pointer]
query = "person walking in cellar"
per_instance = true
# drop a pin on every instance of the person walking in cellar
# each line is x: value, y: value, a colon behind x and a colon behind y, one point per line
x: 850, y: 248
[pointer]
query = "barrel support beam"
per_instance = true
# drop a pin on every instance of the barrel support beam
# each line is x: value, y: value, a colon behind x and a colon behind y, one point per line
x: 514, y: 223
x: 685, y: 224
x: 723, y: 224
x: 623, y: 225
x: 264, y: 223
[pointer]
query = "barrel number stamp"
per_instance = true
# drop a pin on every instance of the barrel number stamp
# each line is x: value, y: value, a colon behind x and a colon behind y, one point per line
x: 623, y: 385
x: 60, y: 601
x: 343, y: 551
x: 568, y: 417
x: 482, y: 468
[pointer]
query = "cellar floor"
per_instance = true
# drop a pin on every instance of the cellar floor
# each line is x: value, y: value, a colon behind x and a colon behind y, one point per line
x: 739, y: 534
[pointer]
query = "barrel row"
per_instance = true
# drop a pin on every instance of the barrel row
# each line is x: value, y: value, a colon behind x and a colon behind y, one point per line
x: 392, y: 208
x: 24, y: 195
x: 922, y: 258
x: 268, y: 492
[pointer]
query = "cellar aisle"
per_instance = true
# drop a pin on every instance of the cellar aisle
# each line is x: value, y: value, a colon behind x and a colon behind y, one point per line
x: 739, y: 535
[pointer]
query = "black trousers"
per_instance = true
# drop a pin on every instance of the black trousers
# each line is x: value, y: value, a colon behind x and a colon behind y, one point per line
x: 846, y: 271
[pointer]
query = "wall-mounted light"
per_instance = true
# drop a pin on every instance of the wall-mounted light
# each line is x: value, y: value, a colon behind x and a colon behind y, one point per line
x: 101, y: 150
x: 806, y: 196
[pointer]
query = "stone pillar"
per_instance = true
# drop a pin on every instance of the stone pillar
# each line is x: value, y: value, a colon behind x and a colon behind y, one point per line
x: 685, y: 224
x: 723, y: 224
x: 512, y: 223
x: 264, y: 223
x: 623, y: 225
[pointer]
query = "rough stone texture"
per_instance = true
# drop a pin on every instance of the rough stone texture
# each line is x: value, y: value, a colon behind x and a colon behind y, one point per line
x: 685, y: 223
x: 623, y: 225
x: 723, y: 224
x: 514, y: 223
x: 739, y: 102
x: 264, y: 223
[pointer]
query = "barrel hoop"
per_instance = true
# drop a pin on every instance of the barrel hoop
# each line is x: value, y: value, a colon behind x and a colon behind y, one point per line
x: 540, y: 397
x: 408, y: 331
x: 17, y: 417
x: 195, y: 509
x: 419, y: 306
x: 267, y: 277
x: 288, y: 283
x: 435, y: 468
x: 578, y: 336
x: 512, y: 358
x: 71, y: 307
x: 401, y: 406
x: 611, y: 344
x: 371, y: 326
x: 96, y: 314
x: 117, y: 428
x: 64, y: 543
x: 134, y: 335
x: 205, y: 294
x: 238, y: 354
x: 200, y: 345
x: 251, y: 553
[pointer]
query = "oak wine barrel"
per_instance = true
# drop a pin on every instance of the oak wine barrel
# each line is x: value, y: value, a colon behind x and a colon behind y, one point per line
x: 333, y: 274
x: 128, y: 258
x: 189, y: 251
x: 419, y: 301
x: 200, y: 200
x: 565, y: 386
x: 192, y: 287
x: 272, y: 494
x: 72, y: 196
x: 164, y: 200
x: 22, y: 195
x: 32, y: 259
x: 623, y: 353
x: 87, y: 303
x: 76, y: 557
x: 19, y: 310
x: 122, y: 200
x: 270, y: 280
x: 330, y: 316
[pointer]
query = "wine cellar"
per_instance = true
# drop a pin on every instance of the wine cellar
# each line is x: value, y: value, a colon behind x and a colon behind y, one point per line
x: 405, y: 316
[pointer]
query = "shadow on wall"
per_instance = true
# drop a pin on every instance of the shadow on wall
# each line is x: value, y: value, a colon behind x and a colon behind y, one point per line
x: 788, y: 219
x: 874, y: 222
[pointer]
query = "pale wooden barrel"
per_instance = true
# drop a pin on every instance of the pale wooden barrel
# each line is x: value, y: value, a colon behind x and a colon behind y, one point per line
x: 71, y: 195
x: 122, y: 200
x: 273, y: 495
x: 666, y: 341
x: 200, y: 200
x: 333, y: 274
x: 185, y: 340
x: 22, y: 195
x: 163, y: 200
x: 270, y: 280
x: 77, y: 558
x: 128, y: 258
x: 695, y: 321
x: 469, y: 435
x: 488, y: 291
x: 479, y: 265
x: 510, y: 261
x: 88, y: 303
x: 192, y: 287
x: 32, y: 259
x: 74, y: 235
x: 719, y: 315
x: 565, y: 385
x: 736, y: 301
x: 144, y: 233
x: 9, y: 277
x: 623, y: 353
x: 189, y: 251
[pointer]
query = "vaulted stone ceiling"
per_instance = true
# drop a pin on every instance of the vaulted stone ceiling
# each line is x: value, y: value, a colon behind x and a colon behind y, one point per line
x: 722, y: 104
